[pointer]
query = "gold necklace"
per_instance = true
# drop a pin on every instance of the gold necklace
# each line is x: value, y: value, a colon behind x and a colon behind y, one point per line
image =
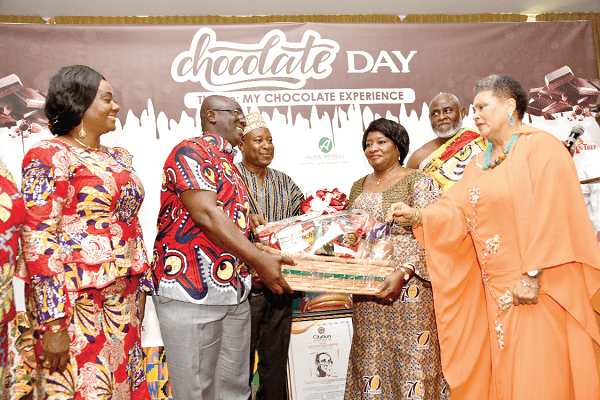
x: 388, y: 175
x: 85, y: 146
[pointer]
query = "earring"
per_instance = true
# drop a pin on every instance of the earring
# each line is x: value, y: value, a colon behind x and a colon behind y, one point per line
x: 82, y: 132
x: 511, y: 120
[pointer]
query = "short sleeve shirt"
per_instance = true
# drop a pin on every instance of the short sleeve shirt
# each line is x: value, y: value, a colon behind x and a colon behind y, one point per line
x: 186, y: 265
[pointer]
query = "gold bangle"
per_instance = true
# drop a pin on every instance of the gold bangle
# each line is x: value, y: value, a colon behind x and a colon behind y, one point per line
x: 415, y: 220
x: 419, y: 220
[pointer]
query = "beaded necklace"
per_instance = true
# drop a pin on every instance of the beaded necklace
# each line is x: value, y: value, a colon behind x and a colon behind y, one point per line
x: 502, y: 157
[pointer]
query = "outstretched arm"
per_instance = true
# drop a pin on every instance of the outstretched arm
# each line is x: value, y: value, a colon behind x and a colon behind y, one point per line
x: 220, y: 230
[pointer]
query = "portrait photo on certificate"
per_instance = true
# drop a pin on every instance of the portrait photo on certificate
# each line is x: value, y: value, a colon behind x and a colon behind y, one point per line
x: 318, y: 355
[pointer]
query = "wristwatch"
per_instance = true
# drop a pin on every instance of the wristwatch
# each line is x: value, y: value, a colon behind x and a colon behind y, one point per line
x: 536, y: 273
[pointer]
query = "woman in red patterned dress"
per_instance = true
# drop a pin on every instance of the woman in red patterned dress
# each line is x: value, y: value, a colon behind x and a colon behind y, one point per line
x: 83, y: 248
x: 12, y: 216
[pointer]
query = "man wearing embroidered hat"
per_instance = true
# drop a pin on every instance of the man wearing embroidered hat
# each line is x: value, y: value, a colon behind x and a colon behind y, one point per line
x: 273, y: 196
x: 445, y: 157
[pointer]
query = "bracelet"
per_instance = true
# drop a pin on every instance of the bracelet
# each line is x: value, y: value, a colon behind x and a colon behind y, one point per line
x: 405, y: 272
x: 405, y: 268
x: 416, y: 219
x: 55, y: 328
x: 410, y: 266
x: 528, y: 285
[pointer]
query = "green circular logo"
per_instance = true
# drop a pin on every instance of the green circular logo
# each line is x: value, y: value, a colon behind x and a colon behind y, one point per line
x: 325, y: 145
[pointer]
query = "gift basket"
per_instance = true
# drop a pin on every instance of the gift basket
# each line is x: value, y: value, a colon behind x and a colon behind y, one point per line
x: 335, y: 251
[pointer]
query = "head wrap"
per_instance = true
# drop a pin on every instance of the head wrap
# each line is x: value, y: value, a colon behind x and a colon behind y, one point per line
x: 254, y: 121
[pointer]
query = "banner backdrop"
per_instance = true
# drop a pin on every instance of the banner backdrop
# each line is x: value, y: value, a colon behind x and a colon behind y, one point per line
x: 317, y: 85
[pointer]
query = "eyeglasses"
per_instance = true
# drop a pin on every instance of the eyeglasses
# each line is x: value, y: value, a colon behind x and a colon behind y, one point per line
x: 594, y: 110
x: 239, y: 114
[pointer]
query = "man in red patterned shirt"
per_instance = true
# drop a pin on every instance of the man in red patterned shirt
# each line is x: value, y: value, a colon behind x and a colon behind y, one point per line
x: 201, y: 290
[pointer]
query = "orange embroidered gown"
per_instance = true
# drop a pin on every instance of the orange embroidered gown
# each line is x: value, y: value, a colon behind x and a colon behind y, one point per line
x: 527, y: 213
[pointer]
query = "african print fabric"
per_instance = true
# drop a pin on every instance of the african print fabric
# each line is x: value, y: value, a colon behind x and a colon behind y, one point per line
x: 105, y: 355
x: 447, y: 164
x: 84, y: 259
x: 395, y: 350
x: 278, y: 199
x: 186, y: 265
x: 271, y: 314
x: 12, y: 216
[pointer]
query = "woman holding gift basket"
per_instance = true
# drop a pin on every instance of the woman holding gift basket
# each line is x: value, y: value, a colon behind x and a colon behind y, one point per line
x: 514, y: 231
x: 395, y: 350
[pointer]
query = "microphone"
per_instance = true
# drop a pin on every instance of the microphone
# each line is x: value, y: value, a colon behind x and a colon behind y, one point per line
x: 576, y: 131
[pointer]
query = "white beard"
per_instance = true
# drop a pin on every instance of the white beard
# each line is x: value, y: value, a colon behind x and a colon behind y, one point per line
x: 448, y: 134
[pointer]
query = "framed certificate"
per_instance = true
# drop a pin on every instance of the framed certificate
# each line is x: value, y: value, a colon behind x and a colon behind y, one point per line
x: 318, y: 355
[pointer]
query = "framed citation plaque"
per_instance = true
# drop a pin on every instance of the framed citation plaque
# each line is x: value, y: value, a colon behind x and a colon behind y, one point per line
x: 318, y: 355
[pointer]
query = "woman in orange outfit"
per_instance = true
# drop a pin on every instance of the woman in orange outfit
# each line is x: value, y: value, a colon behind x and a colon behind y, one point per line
x: 514, y: 263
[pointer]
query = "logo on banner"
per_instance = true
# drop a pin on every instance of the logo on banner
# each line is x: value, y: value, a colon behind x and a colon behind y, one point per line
x: 325, y: 145
x: 372, y: 384
x: 582, y: 146
x: 321, y: 330
x: 274, y: 62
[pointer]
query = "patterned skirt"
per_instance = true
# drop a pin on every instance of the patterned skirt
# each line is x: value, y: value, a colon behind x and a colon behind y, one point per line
x: 395, y: 351
x: 106, y: 358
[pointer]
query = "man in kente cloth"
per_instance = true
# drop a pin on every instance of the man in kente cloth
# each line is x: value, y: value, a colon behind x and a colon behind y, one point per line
x: 445, y: 157
x: 273, y: 196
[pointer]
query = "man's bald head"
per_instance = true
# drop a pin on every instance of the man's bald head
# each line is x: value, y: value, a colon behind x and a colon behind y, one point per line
x: 223, y: 116
x: 446, y: 115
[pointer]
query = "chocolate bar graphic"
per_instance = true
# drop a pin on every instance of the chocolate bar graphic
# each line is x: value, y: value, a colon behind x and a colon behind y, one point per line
x: 10, y: 84
x: 556, y: 94
x: 587, y: 101
x: 30, y: 98
x: 583, y: 87
x: 563, y: 92
x: 37, y: 116
x: 559, y: 77
x: 7, y: 121
x: 535, y: 90
x: 557, y: 107
x: 536, y: 106
x: 6, y: 108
